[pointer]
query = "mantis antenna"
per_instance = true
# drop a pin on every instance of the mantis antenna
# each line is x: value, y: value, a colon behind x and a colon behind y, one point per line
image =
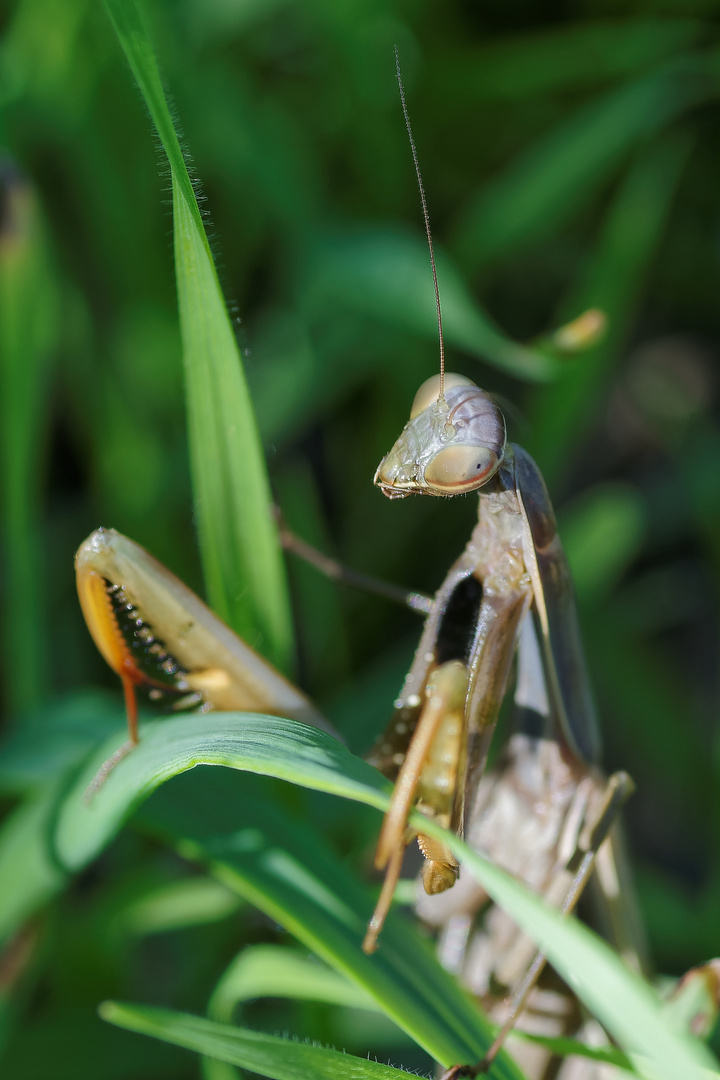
x: 426, y: 216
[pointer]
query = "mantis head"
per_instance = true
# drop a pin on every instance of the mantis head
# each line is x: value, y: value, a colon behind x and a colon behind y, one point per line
x: 453, y: 442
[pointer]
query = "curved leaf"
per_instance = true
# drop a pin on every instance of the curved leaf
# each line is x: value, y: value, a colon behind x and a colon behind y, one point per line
x: 280, y: 865
x: 276, y: 971
x: 386, y: 275
x: 622, y: 1001
x: 263, y: 744
x: 268, y: 1055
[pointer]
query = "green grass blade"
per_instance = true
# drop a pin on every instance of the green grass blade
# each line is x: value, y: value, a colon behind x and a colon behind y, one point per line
x: 29, y: 309
x: 267, y: 971
x: 175, y: 905
x: 275, y: 863
x: 55, y: 739
x: 284, y: 868
x: 563, y: 1047
x: 386, y: 275
x: 29, y: 876
x: 628, y: 244
x: 626, y: 1005
x: 602, y: 531
x: 287, y: 887
x: 568, y: 55
x: 557, y: 176
x: 264, y: 744
x: 241, y: 556
x: 267, y: 1055
x: 36, y: 762
x: 276, y: 971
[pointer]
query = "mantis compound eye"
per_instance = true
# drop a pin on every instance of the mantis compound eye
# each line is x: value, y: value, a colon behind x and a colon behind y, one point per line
x: 458, y: 469
x: 471, y: 442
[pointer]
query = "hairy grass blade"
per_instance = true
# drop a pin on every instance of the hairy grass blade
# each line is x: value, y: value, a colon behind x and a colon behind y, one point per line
x: 241, y: 556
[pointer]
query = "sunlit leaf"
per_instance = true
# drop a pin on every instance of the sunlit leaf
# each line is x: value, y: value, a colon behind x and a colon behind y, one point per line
x: 621, y: 1000
x: 241, y: 554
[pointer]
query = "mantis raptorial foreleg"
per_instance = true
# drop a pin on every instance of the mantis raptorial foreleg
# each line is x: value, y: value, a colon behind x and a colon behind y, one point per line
x: 154, y: 632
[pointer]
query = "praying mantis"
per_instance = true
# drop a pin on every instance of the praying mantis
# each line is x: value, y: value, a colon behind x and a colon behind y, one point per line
x: 545, y: 810
x: 546, y: 813
x: 510, y: 587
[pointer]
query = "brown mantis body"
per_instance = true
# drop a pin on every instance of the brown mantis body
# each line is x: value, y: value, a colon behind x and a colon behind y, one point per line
x: 546, y: 809
x: 545, y: 812
x: 534, y: 813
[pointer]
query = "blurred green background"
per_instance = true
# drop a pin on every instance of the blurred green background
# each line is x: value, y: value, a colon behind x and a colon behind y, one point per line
x: 571, y: 159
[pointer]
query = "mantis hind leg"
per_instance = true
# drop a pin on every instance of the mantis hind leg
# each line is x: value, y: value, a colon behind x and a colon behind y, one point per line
x: 591, y: 838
